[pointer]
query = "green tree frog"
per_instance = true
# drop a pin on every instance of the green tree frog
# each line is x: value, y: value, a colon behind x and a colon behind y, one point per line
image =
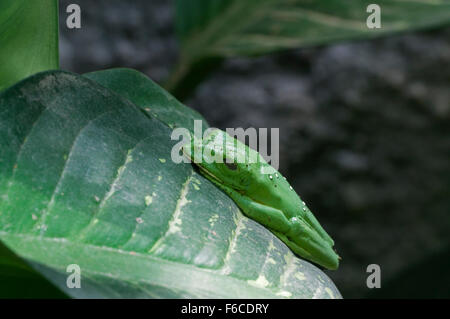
x: 262, y: 194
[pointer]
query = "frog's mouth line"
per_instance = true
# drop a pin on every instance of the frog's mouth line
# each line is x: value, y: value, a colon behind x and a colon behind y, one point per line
x: 213, y: 177
x: 204, y: 170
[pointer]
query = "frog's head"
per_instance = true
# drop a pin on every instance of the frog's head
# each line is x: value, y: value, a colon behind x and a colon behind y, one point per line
x: 224, y: 160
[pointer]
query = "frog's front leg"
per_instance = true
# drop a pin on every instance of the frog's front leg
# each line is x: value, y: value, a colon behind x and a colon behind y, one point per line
x: 268, y: 216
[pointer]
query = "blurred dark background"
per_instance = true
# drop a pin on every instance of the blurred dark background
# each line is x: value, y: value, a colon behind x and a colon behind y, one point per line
x: 364, y: 131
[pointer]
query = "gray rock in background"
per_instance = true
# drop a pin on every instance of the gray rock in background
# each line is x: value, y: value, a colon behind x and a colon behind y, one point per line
x: 364, y: 127
x: 136, y: 34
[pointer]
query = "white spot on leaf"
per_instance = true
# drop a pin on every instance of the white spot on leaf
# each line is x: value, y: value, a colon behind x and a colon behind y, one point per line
x: 261, y: 282
x: 284, y: 293
x: 148, y: 200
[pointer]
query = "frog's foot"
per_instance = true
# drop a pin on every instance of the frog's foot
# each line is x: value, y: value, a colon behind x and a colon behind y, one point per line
x: 309, y: 240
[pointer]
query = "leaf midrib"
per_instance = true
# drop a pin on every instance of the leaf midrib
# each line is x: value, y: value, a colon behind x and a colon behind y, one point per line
x: 156, y: 272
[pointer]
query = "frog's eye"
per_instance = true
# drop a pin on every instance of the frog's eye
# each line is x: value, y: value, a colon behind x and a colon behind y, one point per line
x: 232, y: 166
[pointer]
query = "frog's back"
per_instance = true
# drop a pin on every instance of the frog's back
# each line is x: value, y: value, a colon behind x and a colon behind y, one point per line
x: 275, y: 191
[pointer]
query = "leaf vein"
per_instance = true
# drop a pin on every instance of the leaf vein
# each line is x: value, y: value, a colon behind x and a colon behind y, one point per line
x: 239, y: 226
x: 112, y: 189
x: 175, y: 215
x: 50, y: 204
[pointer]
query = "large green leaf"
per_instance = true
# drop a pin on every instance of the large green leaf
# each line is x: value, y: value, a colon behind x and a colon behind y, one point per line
x: 28, y: 38
x: 225, y: 28
x: 149, y: 96
x: 86, y: 178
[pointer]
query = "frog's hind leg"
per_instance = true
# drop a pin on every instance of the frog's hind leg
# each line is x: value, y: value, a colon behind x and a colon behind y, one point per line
x: 293, y: 246
x: 306, y: 237
x: 270, y: 217
x: 311, y: 219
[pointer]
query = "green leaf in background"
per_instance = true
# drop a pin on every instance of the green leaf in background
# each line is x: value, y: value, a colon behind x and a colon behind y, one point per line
x: 226, y: 28
x: 87, y: 178
x: 28, y: 38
